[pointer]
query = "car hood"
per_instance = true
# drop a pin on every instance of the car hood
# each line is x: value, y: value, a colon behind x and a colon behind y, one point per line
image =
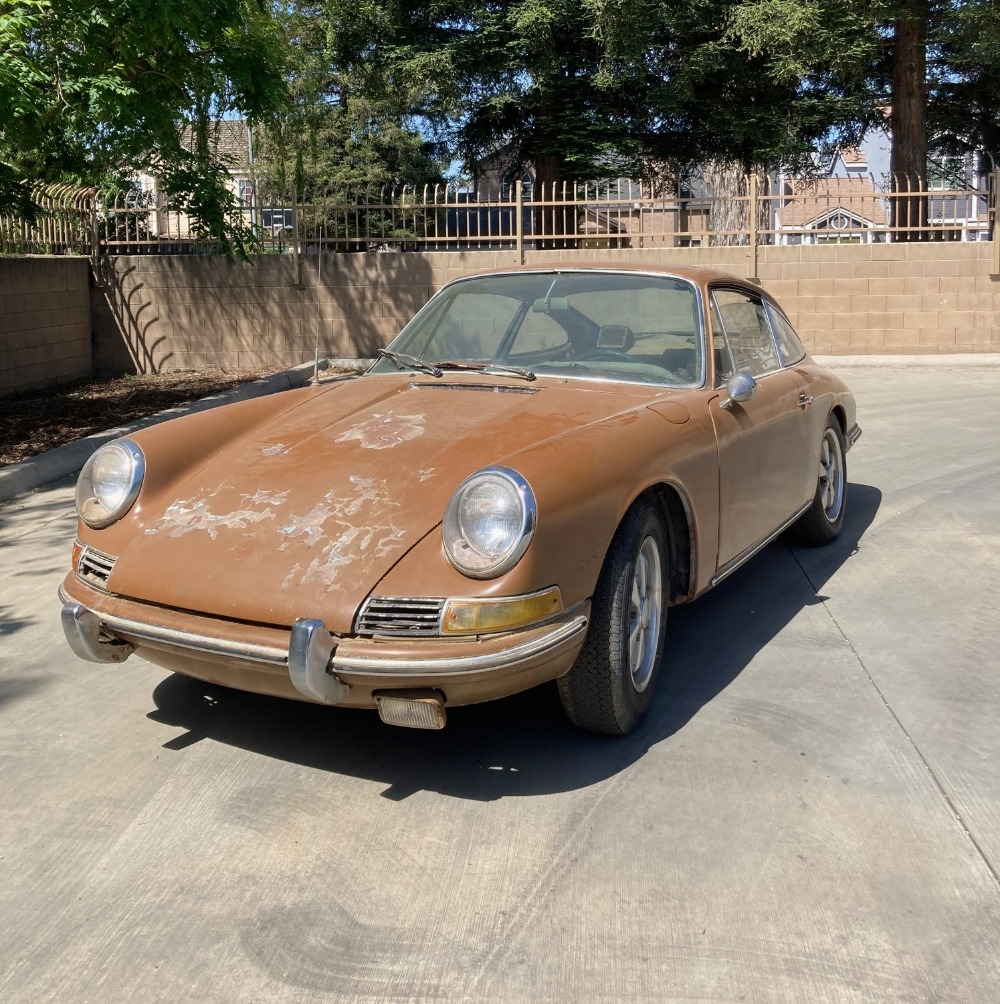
x: 304, y: 515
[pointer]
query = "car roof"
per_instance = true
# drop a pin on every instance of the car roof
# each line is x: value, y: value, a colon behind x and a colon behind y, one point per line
x: 700, y: 274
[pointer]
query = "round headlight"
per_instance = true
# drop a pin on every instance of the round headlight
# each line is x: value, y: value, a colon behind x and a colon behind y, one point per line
x: 489, y: 522
x: 109, y: 483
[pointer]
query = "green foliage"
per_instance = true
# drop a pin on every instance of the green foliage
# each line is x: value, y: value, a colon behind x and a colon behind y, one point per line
x: 850, y: 46
x: 583, y: 87
x: 99, y: 88
x: 964, y: 111
x: 332, y: 134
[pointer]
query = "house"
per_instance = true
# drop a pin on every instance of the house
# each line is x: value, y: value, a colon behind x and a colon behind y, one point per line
x: 232, y: 141
x: 835, y: 210
x: 615, y: 212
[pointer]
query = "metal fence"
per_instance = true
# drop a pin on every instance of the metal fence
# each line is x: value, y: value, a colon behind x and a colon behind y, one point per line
x: 64, y: 223
x: 750, y: 212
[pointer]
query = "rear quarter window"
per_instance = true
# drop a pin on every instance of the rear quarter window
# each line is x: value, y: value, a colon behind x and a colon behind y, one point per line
x: 789, y: 344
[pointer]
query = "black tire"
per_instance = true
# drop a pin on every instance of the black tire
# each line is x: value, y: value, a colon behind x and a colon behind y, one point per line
x: 609, y: 689
x: 824, y: 519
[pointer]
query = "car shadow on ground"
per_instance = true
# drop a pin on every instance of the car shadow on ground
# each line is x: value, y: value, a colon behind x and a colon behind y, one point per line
x: 523, y: 745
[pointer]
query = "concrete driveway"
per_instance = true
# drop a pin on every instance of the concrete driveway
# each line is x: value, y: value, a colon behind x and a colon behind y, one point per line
x: 811, y: 812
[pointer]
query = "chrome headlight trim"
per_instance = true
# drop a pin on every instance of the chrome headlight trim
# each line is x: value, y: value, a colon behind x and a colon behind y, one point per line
x: 89, y: 509
x: 455, y: 539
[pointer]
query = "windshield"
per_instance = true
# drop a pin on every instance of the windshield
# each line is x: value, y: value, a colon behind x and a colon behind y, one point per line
x: 603, y: 325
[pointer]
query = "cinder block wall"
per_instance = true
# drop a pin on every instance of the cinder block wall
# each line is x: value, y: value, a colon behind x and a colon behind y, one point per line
x: 45, y: 332
x: 880, y: 299
x: 157, y: 313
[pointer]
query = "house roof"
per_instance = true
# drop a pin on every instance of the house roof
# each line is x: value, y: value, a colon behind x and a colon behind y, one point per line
x: 809, y: 201
x: 229, y: 140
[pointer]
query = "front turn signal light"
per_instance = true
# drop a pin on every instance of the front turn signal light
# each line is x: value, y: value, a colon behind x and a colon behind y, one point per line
x: 502, y: 613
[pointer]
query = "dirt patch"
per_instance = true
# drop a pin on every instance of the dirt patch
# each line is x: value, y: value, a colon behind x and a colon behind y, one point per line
x: 42, y: 420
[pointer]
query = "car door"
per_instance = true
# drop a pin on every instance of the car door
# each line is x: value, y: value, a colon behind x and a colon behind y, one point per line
x: 763, y: 443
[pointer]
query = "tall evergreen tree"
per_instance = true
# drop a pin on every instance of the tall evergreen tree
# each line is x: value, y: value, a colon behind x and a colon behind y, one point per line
x: 333, y: 134
x: 934, y: 63
x: 572, y: 87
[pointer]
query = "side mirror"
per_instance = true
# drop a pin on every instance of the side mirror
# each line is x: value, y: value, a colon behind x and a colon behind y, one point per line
x: 741, y: 387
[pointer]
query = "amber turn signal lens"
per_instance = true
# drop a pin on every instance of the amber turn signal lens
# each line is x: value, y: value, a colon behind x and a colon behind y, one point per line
x: 479, y: 616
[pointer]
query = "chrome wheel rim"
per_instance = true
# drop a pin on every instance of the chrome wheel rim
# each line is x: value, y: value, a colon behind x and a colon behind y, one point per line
x: 831, y: 476
x: 645, y: 611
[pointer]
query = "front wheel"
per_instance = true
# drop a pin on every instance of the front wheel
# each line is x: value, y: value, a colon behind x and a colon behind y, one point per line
x: 824, y: 519
x: 610, y: 687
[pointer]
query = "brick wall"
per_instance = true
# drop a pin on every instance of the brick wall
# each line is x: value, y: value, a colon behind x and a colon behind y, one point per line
x: 177, y: 312
x: 44, y: 322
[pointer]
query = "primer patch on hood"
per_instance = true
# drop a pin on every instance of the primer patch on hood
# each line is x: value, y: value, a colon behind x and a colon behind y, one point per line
x: 344, y: 541
x: 186, y: 516
x: 383, y: 431
x: 362, y: 545
x: 262, y: 497
x: 274, y: 451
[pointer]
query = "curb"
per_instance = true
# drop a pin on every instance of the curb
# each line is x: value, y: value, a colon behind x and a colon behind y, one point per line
x: 965, y: 360
x: 26, y: 475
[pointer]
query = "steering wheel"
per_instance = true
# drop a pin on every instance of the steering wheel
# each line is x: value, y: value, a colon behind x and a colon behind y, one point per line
x: 604, y: 355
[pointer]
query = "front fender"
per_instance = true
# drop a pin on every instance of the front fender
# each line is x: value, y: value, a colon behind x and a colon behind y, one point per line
x: 584, y: 483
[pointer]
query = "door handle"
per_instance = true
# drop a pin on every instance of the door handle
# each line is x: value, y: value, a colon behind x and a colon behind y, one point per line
x: 805, y: 400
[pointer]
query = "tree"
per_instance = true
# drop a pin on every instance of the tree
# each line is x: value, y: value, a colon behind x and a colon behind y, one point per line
x: 934, y: 63
x: 578, y: 88
x: 330, y: 135
x: 94, y: 90
x: 964, y: 113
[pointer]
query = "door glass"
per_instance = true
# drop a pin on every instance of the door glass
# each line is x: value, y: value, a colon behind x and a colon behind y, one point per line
x: 748, y: 332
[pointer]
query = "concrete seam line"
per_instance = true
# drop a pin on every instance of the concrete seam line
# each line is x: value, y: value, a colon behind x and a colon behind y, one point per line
x: 942, y: 793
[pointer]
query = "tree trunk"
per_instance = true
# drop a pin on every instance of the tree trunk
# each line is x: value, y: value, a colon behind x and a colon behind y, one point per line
x: 908, y: 158
x: 553, y: 224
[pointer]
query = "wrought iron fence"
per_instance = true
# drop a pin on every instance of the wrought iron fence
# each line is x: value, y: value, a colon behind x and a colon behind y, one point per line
x: 750, y: 212
x: 64, y: 223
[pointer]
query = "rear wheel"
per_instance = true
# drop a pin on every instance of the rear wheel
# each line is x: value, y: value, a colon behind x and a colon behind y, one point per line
x: 823, y: 520
x: 610, y: 687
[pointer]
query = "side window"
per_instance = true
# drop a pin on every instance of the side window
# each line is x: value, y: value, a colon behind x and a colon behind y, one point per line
x: 792, y: 350
x: 744, y: 319
x: 723, y: 359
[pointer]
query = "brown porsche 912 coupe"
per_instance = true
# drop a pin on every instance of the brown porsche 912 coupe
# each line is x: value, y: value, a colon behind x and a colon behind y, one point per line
x: 540, y: 464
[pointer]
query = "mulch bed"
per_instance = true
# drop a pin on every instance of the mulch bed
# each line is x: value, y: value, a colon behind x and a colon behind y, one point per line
x: 41, y: 420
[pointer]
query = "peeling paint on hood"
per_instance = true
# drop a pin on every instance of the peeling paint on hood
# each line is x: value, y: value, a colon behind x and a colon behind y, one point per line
x: 363, y: 474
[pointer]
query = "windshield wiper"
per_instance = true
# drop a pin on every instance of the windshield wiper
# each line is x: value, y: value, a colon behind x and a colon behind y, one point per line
x: 494, y: 369
x: 407, y: 362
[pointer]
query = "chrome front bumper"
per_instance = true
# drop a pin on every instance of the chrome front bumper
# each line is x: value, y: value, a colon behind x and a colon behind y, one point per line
x: 313, y: 658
